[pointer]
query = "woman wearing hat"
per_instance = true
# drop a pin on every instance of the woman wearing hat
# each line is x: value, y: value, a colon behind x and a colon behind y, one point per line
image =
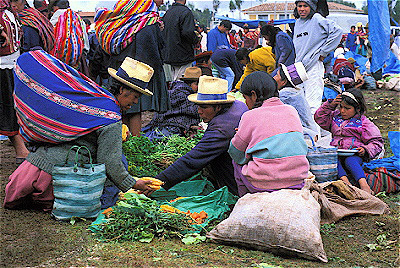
x: 58, y: 108
x: 183, y: 113
x: 287, y: 79
x: 268, y: 150
x: 222, y: 113
x: 136, y: 35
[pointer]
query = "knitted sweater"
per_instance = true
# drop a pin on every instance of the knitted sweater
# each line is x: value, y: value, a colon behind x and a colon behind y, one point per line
x: 105, y: 145
x: 270, y: 145
x: 355, y: 132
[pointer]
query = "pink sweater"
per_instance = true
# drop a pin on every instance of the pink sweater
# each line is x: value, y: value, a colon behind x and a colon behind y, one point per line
x: 270, y: 145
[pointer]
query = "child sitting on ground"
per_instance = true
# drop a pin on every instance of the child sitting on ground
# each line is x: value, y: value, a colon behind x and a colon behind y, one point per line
x: 351, y: 129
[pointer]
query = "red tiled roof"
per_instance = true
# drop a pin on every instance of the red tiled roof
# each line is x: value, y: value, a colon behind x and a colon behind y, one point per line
x: 290, y: 6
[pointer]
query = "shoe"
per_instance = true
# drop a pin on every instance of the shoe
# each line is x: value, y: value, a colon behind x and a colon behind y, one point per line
x: 19, y: 160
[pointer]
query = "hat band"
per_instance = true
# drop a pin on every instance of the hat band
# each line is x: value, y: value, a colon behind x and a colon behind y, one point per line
x: 122, y: 74
x: 211, y: 97
x: 294, y: 75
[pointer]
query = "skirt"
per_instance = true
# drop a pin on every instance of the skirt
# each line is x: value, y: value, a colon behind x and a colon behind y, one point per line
x: 29, y: 187
x: 8, y: 118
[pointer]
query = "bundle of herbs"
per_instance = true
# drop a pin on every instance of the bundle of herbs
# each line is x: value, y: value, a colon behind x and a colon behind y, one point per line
x: 149, y: 158
x: 139, y: 218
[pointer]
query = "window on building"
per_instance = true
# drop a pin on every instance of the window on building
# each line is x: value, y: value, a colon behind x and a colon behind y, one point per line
x: 263, y: 17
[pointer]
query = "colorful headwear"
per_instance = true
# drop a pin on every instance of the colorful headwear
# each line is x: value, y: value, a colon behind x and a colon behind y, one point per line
x: 69, y: 36
x: 55, y: 103
x: 33, y: 18
x: 115, y: 29
x: 295, y: 73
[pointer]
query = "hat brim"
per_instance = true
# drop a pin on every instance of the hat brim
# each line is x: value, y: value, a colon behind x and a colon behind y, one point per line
x: 113, y: 73
x: 189, y: 79
x: 193, y: 98
x: 285, y: 70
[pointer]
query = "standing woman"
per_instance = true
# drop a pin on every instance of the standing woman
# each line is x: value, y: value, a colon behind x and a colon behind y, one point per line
x: 10, y: 32
x: 282, y: 45
x: 38, y: 31
x: 132, y: 29
x: 314, y: 37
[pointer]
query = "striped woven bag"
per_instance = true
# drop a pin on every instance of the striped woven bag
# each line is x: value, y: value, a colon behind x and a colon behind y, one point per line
x: 78, y: 188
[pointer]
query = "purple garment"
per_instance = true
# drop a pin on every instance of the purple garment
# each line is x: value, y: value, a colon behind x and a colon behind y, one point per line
x: 352, y: 133
x: 245, y: 187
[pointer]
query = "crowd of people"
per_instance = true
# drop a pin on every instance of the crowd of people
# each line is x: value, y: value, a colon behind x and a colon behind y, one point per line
x: 72, y: 87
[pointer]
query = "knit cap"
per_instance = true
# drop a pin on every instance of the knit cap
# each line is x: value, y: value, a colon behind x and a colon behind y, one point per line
x: 311, y: 3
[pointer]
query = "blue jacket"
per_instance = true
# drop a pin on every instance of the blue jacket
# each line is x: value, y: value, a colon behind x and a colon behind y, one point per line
x: 212, y: 150
x: 217, y: 39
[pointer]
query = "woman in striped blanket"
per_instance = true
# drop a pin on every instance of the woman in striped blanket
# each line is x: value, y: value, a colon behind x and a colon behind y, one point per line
x: 38, y: 31
x: 132, y: 29
x: 57, y: 107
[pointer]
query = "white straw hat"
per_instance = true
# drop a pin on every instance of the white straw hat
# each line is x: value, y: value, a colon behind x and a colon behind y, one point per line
x: 134, y: 74
x: 211, y: 90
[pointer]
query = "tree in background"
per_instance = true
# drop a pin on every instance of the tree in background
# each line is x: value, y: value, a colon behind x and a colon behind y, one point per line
x: 238, y: 4
x: 203, y: 17
x: 232, y: 6
x: 216, y: 6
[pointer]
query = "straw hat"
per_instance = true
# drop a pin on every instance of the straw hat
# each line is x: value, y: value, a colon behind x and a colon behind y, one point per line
x: 134, y: 74
x: 295, y: 73
x: 191, y: 74
x: 211, y: 90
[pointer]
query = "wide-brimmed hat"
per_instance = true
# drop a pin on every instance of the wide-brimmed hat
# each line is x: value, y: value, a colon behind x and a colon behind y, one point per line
x: 211, y: 90
x: 191, y: 74
x: 204, y: 55
x: 134, y: 74
x: 295, y: 73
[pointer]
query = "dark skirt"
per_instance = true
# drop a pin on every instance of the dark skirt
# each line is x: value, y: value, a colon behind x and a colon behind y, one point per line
x: 8, y: 118
x: 147, y: 48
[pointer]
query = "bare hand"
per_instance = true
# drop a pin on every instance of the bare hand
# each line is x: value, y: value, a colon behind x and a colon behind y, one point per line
x: 361, y: 151
x: 143, y: 186
x: 336, y: 101
x: 161, y: 24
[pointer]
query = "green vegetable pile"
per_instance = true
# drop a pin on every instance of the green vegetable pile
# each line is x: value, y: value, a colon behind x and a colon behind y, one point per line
x: 148, y: 158
x: 138, y: 218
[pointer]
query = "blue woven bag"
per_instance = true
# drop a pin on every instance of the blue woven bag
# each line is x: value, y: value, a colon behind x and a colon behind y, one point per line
x: 323, y: 162
x: 77, y: 188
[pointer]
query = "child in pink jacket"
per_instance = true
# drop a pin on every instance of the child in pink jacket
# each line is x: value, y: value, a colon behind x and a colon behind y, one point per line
x: 351, y: 129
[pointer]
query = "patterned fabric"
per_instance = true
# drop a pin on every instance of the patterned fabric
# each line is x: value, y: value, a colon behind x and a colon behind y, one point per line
x: 115, y: 29
x: 183, y: 113
x: 55, y: 103
x: 69, y: 34
x: 33, y: 18
x: 382, y: 180
x: 12, y: 28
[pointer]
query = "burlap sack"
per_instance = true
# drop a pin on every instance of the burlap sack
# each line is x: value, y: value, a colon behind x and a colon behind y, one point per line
x: 339, y: 200
x: 283, y: 222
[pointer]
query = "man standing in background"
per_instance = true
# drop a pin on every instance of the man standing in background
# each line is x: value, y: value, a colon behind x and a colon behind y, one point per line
x: 179, y: 37
x: 218, y: 37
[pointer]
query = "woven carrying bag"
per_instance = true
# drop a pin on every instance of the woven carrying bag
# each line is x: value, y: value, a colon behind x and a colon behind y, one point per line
x: 77, y: 188
x: 323, y: 162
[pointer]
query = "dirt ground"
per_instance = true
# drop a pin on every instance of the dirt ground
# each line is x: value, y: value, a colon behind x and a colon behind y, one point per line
x: 33, y: 239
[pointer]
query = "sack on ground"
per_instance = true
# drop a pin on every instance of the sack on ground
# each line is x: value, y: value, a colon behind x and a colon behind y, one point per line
x: 339, y: 200
x: 78, y: 188
x: 264, y: 222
